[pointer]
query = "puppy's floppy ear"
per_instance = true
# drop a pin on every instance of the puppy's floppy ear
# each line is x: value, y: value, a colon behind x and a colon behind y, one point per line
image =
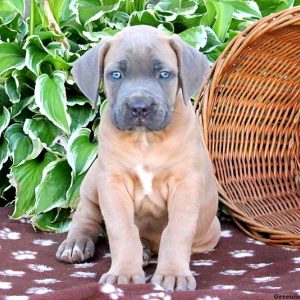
x: 88, y: 69
x: 193, y: 67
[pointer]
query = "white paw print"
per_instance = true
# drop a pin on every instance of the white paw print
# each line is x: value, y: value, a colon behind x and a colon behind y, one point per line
x: 203, y: 262
x: 233, y: 272
x: 249, y: 292
x: 12, y: 273
x: 46, y: 281
x: 44, y: 242
x: 38, y: 290
x: 39, y: 268
x: 224, y: 287
x: 84, y: 265
x: 242, y: 253
x: 295, y: 270
x: 296, y: 260
x: 259, y: 266
x: 253, y: 241
x: 7, y: 234
x: 22, y: 255
x: 265, y: 279
x: 226, y: 233
x: 5, y: 285
x: 113, y: 291
x: 155, y: 296
x: 84, y: 274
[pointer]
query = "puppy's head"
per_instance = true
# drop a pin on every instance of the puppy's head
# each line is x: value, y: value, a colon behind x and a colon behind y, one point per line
x: 143, y: 70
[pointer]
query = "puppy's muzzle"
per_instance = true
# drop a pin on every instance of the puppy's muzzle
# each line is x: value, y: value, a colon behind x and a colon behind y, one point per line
x: 140, y: 108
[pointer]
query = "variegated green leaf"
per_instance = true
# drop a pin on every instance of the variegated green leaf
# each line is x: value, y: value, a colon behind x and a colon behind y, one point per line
x: 91, y: 10
x: 81, y: 152
x: 51, y: 192
x: 12, y: 88
x: 18, y: 107
x: 42, y: 129
x: 55, y: 220
x: 18, y: 5
x: 177, y: 7
x: 81, y: 116
x: 97, y: 36
x: 148, y: 17
x: 12, y: 57
x: 50, y: 96
x: 37, y: 53
x: 25, y: 178
x: 78, y: 100
x: 195, y: 36
x: 7, y: 11
x: 22, y: 148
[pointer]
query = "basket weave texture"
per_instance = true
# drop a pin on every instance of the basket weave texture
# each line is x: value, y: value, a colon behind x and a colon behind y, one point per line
x: 250, y: 111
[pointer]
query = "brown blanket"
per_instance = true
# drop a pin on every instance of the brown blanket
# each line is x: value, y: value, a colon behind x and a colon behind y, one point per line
x: 239, y: 268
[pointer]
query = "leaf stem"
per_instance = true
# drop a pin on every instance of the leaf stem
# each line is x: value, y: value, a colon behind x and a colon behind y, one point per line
x: 53, y: 24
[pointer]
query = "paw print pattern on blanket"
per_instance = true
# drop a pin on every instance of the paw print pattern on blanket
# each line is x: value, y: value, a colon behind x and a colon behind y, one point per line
x: 223, y: 287
x: 38, y: 290
x: 226, y: 233
x: 265, y: 279
x: 24, y: 254
x: 12, y: 273
x: 4, y: 285
x: 84, y: 274
x: 44, y: 242
x: 203, y: 262
x: 233, y: 272
x: 239, y: 265
x: 46, y: 281
x: 242, y: 253
x: 296, y: 260
x: 7, y: 234
x: 39, y: 268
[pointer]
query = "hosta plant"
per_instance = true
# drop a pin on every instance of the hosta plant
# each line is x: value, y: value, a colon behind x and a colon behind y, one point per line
x: 48, y: 129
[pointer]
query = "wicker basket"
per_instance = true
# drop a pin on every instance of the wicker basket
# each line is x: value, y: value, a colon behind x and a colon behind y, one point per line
x: 250, y: 110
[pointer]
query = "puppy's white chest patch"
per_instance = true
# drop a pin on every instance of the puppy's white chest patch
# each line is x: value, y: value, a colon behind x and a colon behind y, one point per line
x: 145, y: 178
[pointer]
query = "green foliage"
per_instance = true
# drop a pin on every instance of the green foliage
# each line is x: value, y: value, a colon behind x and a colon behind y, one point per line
x: 48, y: 136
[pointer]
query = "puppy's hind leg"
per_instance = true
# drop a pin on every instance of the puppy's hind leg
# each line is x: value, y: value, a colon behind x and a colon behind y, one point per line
x: 85, y: 227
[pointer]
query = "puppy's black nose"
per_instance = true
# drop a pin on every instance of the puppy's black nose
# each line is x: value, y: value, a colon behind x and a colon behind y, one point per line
x: 140, y: 108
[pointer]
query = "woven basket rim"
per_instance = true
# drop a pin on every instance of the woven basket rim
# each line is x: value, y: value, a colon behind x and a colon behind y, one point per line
x: 233, y: 49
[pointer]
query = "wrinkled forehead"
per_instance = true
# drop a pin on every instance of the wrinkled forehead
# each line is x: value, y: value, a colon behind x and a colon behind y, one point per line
x: 141, y: 49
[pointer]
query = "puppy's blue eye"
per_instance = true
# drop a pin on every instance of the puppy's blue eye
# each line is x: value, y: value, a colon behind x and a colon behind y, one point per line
x: 116, y: 75
x: 164, y: 75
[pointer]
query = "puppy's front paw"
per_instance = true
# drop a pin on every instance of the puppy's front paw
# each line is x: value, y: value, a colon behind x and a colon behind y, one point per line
x: 75, y: 250
x: 171, y: 282
x: 123, y: 277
